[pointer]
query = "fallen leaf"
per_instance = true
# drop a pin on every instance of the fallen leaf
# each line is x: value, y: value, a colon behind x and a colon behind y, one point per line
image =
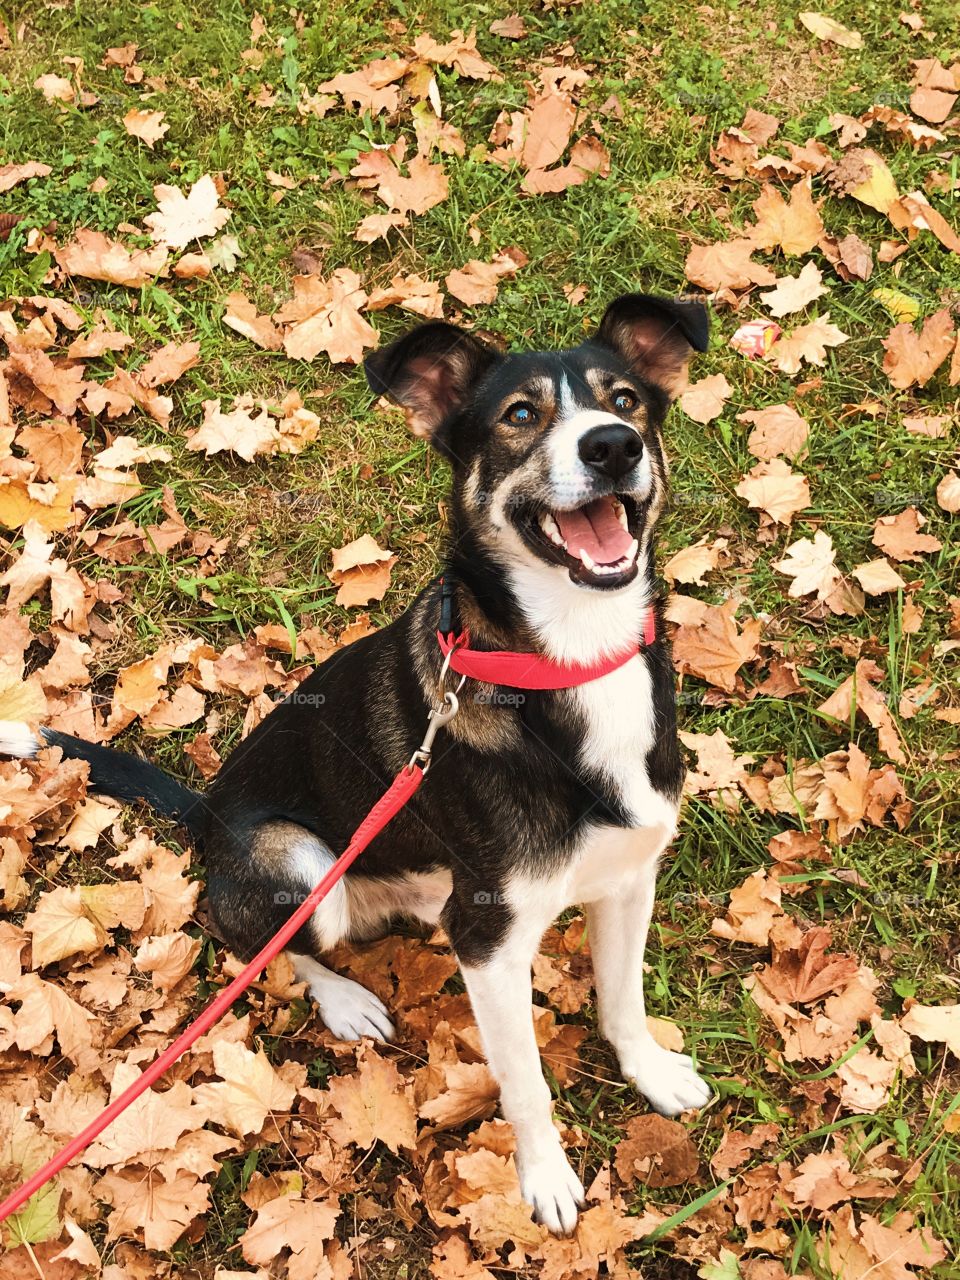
x: 361, y: 571
x: 180, y: 218
x: 877, y: 577
x: 900, y: 538
x: 793, y: 293
x: 726, y: 265
x: 913, y: 358
x: 773, y: 488
x: 95, y: 257
x: 831, y: 31
x: 238, y: 431
x: 704, y: 400
x: 777, y: 429
x: 373, y: 1104
x: 795, y: 226
x: 811, y: 565
x: 148, y: 126
x: 715, y: 649
x: 12, y: 174
x: 808, y: 342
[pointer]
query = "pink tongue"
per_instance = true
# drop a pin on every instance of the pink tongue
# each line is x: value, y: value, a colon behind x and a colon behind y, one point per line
x: 596, y: 530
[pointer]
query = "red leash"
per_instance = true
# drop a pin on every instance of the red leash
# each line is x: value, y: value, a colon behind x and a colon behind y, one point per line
x: 387, y: 807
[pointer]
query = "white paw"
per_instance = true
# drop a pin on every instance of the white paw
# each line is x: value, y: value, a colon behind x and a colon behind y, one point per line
x: 554, y: 1191
x: 667, y: 1080
x: 351, y: 1011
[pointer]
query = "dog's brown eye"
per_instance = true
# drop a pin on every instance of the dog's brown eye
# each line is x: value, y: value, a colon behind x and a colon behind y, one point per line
x: 521, y: 414
x: 624, y: 400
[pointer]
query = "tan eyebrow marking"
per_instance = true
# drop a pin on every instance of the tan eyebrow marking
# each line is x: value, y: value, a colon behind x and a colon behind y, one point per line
x: 538, y: 390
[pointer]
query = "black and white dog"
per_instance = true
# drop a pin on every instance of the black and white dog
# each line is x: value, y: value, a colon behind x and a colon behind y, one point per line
x: 566, y: 793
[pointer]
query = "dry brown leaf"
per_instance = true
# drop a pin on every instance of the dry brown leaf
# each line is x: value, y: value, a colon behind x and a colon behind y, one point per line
x: 900, y: 538
x: 913, y: 358
x: 704, y: 400
x: 95, y: 257
x: 324, y: 315
x: 793, y: 293
x: 831, y: 31
x: 148, y: 126
x: 913, y: 213
x: 726, y: 265
x: 948, y: 493
x: 180, y: 218
x: 795, y: 226
x: 477, y: 282
x: 808, y: 342
x: 169, y: 363
x: 250, y: 1089
x: 361, y: 571
x: 412, y: 293
x: 12, y: 174
x: 242, y: 316
x: 714, y: 648
x: 373, y: 1104
x: 773, y: 488
x: 811, y: 565
x: 777, y: 429
x: 424, y: 185
x: 692, y: 564
x: 238, y: 431
x: 371, y: 89
x: 858, y: 692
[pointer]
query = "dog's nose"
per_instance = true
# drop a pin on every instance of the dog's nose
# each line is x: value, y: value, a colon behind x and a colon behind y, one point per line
x: 613, y: 450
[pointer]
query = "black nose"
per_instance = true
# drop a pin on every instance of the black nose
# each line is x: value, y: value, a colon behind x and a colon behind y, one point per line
x: 612, y: 450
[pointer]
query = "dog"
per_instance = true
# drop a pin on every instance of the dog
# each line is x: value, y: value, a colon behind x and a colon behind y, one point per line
x: 538, y: 797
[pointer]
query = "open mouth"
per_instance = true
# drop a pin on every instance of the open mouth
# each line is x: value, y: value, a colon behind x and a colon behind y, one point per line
x: 597, y: 542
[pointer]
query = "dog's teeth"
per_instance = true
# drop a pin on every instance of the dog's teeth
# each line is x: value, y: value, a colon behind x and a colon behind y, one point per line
x: 632, y: 551
x: 586, y: 561
x: 622, y: 514
x: 552, y: 530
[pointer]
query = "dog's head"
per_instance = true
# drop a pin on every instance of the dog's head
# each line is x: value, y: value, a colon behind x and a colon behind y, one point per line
x: 557, y: 456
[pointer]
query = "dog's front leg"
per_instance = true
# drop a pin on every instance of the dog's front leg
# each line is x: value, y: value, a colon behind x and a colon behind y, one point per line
x: 618, y: 926
x: 497, y: 977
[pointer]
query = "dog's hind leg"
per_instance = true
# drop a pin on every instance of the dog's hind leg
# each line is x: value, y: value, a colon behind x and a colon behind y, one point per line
x: 252, y: 893
x: 618, y: 925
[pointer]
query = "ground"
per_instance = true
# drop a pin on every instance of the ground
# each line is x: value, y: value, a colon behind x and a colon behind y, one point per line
x: 661, y: 83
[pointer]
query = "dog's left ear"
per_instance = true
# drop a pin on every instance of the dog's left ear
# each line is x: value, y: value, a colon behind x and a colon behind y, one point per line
x: 429, y: 371
x: 656, y: 336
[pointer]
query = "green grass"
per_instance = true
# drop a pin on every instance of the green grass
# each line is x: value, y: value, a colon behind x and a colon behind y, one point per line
x: 681, y: 73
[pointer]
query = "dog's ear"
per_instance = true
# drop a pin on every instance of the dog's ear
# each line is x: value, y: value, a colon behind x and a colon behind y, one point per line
x: 429, y: 371
x: 656, y: 336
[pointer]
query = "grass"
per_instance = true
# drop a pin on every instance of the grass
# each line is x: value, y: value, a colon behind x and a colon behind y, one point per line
x: 681, y: 74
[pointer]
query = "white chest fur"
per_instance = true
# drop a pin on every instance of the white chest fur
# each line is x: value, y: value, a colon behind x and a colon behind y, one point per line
x: 620, y: 729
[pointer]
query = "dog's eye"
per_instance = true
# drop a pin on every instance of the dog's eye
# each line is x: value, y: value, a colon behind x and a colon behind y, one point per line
x: 521, y: 414
x: 624, y: 400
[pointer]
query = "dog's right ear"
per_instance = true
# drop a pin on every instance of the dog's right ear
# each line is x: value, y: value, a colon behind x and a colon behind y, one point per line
x: 429, y: 372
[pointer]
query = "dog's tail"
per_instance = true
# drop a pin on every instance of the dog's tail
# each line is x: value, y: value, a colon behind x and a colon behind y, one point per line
x: 113, y: 773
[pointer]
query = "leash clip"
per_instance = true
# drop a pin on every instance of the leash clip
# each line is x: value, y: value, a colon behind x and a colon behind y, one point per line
x: 439, y: 716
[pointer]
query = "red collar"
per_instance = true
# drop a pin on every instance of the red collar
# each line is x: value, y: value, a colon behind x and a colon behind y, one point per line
x: 529, y: 670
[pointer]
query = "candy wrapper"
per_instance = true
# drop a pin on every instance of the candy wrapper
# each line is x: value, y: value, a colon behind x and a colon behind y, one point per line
x: 755, y: 338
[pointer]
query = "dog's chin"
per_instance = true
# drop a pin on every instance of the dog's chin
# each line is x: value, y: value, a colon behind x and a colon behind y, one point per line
x: 598, y: 543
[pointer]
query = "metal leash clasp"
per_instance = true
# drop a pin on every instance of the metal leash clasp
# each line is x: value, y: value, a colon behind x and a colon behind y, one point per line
x: 439, y: 716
